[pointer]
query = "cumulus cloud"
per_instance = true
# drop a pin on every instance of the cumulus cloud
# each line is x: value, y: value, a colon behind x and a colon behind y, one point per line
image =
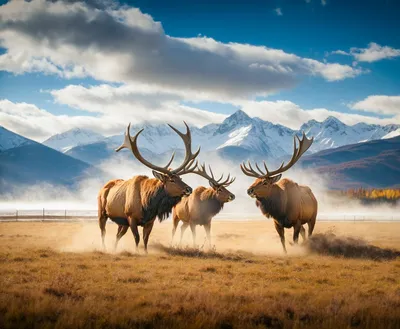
x: 293, y: 116
x: 372, y: 53
x: 122, y: 44
x: 382, y: 104
x: 38, y: 124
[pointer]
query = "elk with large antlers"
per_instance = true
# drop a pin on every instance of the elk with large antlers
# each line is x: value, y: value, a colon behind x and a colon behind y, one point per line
x: 289, y: 204
x: 203, y: 204
x: 139, y: 200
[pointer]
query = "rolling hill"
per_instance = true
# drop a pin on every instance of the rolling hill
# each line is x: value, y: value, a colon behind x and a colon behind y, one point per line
x: 32, y: 163
x: 374, y: 164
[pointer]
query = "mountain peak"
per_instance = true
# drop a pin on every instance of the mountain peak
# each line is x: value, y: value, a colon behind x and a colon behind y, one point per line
x: 71, y: 138
x: 332, y: 120
x: 239, y: 115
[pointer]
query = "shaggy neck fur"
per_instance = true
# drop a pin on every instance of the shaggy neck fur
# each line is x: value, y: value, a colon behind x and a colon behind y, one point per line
x: 159, y: 204
x: 271, y: 206
x: 210, y: 202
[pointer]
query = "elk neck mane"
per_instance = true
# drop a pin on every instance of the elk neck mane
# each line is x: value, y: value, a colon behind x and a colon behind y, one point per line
x: 157, y: 202
x: 208, y: 197
x: 272, y: 206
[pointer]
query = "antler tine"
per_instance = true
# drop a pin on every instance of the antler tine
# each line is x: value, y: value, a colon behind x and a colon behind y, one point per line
x: 226, y: 180
x: 212, y: 175
x: 170, y: 161
x: 187, y: 140
x: 258, y: 168
x: 230, y: 182
x: 249, y: 171
x: 304, y: 145
x: 127, y: 140
x: 131, y: 144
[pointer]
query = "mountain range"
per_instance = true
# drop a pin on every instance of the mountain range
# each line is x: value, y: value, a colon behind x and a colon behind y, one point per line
x: 238, y: 136
x: 352, y: 156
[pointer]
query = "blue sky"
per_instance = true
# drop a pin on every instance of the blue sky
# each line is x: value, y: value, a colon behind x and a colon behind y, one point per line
x: 46, y: 77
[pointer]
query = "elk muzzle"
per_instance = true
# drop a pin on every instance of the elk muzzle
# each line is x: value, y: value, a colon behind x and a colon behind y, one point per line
x: 231, y: 197
x: 187, y: 191
x: 250, y: 192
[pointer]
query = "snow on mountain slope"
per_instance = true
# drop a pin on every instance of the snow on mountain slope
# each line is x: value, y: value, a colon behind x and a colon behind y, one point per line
x: 245, y: 135
x: 71, y: 138
x: 332, y: 133
x: 392, y: 134
x: 9, y: 139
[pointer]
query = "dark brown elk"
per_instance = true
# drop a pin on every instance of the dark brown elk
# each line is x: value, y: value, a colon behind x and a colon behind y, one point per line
x: 203, y: 204
x: 140, y: 199
x: 289, y: 204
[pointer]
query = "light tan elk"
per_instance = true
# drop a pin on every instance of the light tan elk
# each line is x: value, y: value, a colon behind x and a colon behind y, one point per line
x: 203, y: 204
x: 139, y: 200
x: 289, y: 204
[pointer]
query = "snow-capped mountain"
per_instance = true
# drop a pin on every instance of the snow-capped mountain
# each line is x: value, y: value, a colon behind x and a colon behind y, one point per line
x: 9, y: 139
x: 332, y: 133
x: 72, y: 138
x: 392, y: 134
x: 238, y: 136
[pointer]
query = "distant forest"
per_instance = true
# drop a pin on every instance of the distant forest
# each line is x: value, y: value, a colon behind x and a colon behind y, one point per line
x: 373, y: 195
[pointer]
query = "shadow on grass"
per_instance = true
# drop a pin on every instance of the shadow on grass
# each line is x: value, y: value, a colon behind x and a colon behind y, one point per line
x: 332, y: 245
x: 198, y: 253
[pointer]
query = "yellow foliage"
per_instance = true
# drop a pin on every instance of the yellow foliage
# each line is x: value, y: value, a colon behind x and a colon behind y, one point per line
x: 373, y: 194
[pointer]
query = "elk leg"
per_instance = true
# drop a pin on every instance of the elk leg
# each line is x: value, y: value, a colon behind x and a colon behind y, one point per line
x: 303, y: 233
x: 102, y: 224
x: 281, y: 232
x: 296, y: 232
x: 146, y: 234
x: 174, y: 226
x: 311, y: 225
x: 122, y: 229
x: 207, y: 227
x: 193, y: 228
x: 135, y: 233
x: 183, y: 229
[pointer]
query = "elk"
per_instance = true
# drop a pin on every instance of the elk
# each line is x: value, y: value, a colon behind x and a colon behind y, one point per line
x: 203, y: 204
x: 140, y: 199
x: 289, y: 204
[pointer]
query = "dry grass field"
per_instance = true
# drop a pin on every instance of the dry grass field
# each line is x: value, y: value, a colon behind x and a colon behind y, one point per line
x: 54, y: 275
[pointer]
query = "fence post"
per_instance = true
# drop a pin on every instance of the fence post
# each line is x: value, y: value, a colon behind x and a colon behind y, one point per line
x: 16, y: 215
x: 43, y: 213
x: 65, y: 214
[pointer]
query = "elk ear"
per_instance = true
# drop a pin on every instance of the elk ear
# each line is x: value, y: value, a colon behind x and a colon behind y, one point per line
x: 215, y: 187
x: 275, y: 178
x: 159, y: 176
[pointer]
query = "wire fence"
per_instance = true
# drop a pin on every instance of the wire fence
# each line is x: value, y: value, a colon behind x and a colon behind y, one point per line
x: 91, y: 215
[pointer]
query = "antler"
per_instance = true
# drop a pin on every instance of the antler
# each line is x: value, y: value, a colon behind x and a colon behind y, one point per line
x: 304, y: 145
x: 189, y: 157
x: 131, y: 143
x: 201, y: 171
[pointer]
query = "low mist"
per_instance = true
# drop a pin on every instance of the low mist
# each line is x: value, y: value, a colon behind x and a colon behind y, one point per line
x: 330, y: 207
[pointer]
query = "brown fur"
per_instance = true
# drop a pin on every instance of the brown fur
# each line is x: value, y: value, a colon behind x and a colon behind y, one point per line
x: 199, y: 208
x: 137, y: 202
x: 289, y: 204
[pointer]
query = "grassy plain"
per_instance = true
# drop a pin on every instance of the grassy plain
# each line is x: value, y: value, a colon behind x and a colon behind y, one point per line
x: 55, y: 275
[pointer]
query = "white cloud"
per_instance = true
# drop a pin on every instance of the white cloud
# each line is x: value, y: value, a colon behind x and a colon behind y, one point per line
x: 379, y: 104
x: 372, y: 53
x: 115, y: 111
x: 323, y: 2
x: 293, y: 116
x: 121, y: 44
x: 278, y: 11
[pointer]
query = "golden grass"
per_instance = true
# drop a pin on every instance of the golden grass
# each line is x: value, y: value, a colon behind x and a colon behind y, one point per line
x: 54, y: 275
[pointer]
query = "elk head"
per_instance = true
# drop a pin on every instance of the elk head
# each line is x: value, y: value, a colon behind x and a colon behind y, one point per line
x: 262, y: 187
x: 220, y: 187
x: 170, y: 178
